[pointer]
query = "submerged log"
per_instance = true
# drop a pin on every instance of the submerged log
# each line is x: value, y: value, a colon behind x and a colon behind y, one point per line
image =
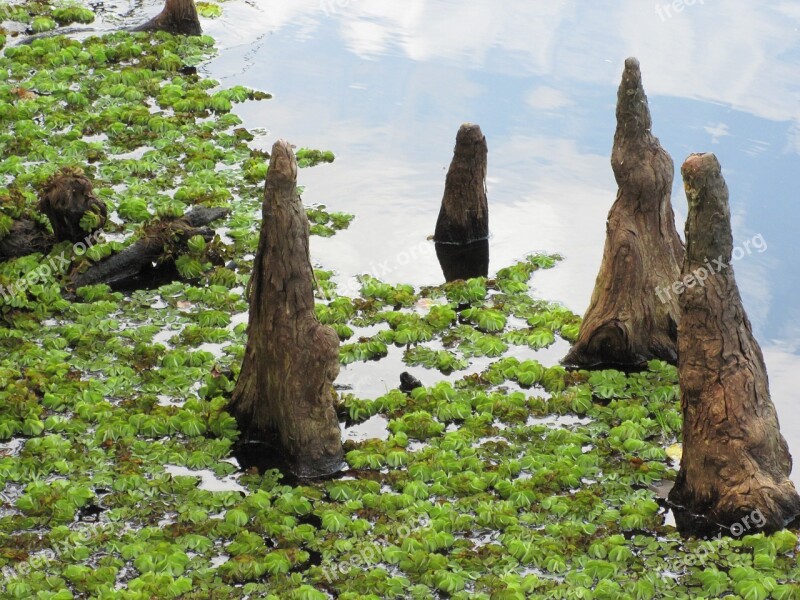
x: 633, y: 314
x: 734, y: 474
x: 284, y: 394
x: 178, y: 16
x: 25, y: 237
x: 66, y: 199
x: 129, y: 265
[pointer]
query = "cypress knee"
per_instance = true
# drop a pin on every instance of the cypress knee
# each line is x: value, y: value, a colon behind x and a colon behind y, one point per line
x: 178, y: 16
x: 735, y: 467
x: 284, y: 395
x: 462, y: 229
x: 633, y: 315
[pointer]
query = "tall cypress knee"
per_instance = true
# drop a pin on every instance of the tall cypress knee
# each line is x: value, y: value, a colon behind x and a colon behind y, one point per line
x: 284, y: 395
x: 462, y: 229
x: 633, y: 314
x: 735, y: 465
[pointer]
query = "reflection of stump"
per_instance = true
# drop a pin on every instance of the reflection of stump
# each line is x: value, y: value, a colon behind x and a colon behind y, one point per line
x: 633, y: 315
x: 285, y: 388
x: 66, y: 200
x: 735, y: 463
x: 178, y: 16
x: 462, y: 229
x: 464, y: 261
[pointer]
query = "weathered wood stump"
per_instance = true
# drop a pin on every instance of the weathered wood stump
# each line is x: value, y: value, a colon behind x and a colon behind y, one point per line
x: 66, y: 199
x: 633, y: 314
x: 284, y: 394
x: 464, y: 214
x: 735, y: 467
x: 462, y: 229
x: 178, y: 16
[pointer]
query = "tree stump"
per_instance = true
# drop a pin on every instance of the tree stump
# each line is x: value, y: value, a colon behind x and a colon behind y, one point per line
x: 284, y: 395
x: 633, y: 314
x: 464, y: 214
x: 66, y: 199
x: 178, y: 16
x: 735, y: 467
x: 462, y: 229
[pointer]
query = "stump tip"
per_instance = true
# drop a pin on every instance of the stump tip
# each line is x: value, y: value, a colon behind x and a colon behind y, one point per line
x: 282, y: 163
x: 469, y: 133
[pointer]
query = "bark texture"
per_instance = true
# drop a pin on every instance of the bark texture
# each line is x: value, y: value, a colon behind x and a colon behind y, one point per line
x: 633, y: 315
x: 736, y: 464
x: 284, y: 394
x: 65, y: 199
x: 178, y: 16
x: 160, y: 242
x: 464, y: 214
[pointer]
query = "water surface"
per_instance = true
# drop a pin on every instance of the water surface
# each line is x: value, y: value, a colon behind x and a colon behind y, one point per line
x: 385, y: 85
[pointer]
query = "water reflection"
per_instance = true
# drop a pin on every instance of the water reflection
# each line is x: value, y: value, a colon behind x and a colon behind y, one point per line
x: 384, y: 85
x: 463, y: 261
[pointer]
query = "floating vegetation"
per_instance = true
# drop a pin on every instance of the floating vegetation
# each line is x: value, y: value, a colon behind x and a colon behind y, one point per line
x: 506, y: 477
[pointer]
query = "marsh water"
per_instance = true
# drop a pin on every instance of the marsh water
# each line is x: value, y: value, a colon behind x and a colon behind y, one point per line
x: 385, y: 85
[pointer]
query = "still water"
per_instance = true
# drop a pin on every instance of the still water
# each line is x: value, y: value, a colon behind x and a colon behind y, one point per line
x: 385, y: 85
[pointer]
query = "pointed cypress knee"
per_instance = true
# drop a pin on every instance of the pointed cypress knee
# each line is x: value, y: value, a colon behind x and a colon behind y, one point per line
x: 178, y: 16
x: 462, y: 229
x: 633, y: 314
x: 735, y: 467
x: 284, y: 395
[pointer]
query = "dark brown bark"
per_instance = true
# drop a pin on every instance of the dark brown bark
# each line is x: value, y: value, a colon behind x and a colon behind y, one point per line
x: 178, y: 16
x: 65, y: 199
x: 633, y: 316
x: 735, y: 463
x: 464, y: 214
x: 463, y: 261
x: 284, y: 394
x: 159, y: 243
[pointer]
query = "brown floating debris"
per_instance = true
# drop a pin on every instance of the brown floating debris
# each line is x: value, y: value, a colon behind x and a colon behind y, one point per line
x: 66, y: 199
x: 161, y: 242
